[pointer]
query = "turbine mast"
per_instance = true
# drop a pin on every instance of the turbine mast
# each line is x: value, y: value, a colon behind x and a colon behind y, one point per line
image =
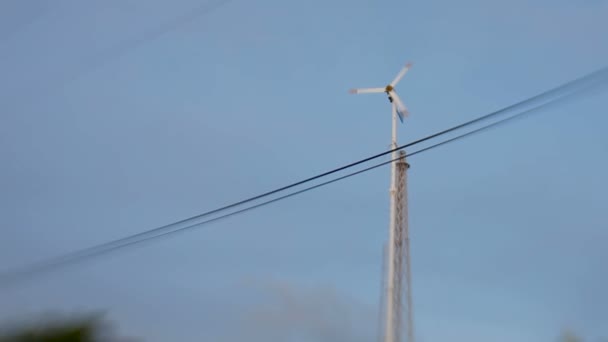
x: 398, y: 246
x: 398, y: 259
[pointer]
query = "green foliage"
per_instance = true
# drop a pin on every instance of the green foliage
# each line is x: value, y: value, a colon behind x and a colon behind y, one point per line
x: 80, y: 330
x: 67, y: 333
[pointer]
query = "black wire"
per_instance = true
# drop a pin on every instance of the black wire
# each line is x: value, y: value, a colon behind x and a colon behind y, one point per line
x: 120, y: 49
x: 490, y: 126
x: 555, y: 91
x: 25, y: 23
x: 100, y: 250
x: 125, y: 46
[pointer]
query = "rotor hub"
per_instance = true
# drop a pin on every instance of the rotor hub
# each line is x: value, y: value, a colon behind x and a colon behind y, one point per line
x: 389, y: 88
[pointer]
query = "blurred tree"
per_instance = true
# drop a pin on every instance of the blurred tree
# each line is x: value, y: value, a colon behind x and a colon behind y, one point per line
x: 90, y: 329
x: 568, y: 336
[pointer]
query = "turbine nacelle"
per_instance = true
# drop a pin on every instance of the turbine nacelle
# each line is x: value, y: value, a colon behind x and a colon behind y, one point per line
x: 400, y: 108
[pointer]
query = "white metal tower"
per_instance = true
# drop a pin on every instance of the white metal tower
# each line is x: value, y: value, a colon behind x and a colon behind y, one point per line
x: 398, y: 254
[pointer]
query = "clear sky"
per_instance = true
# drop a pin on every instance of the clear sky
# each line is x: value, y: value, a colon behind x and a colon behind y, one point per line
x: 508, y: 228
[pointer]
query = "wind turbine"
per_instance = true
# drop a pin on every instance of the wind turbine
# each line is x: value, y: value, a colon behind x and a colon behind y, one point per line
x: 395, y: 100
x: 398, y: 241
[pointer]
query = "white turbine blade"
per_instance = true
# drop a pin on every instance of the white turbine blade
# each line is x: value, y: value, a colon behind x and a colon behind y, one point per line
x: 400, y: 114
x: 367, y: 90
x: 401, y: 74
x: 401, y: 108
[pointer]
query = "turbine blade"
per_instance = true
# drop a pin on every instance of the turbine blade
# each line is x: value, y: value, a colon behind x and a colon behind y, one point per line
x: 366, y: 90
x: 401, y: 74
x: 399, y: 114
x: 402, y: 110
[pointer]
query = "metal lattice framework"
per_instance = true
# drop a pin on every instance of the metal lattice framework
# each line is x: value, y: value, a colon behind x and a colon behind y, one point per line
x: 403, y: 306
x: 398, y: 297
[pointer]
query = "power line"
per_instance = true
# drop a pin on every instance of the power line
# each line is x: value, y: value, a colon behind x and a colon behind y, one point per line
x: 120, y: 49
x: 125, y: 46
x: 130, y: 241
x: 553, y: 92
x: 23, y: 24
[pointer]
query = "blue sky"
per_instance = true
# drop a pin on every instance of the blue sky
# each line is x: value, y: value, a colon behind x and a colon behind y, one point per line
x: 508, y: 227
